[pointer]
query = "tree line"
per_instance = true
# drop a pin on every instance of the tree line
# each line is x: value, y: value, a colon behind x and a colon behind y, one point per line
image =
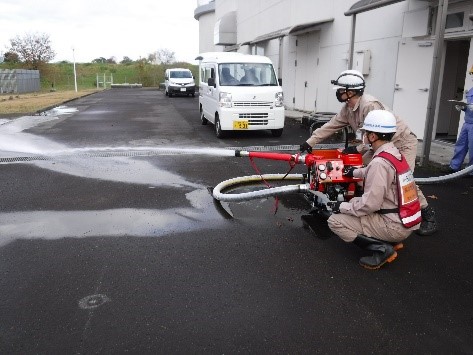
x: 32, y: 50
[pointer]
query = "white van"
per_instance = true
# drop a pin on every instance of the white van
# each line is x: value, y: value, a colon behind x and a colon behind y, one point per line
x: 239, y: 92
x: 179, y: 81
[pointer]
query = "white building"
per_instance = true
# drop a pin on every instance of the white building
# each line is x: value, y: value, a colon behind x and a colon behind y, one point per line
x: 392, y: 42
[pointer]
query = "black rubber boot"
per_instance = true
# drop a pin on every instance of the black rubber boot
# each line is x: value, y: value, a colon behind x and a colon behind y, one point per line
x: 383, y: 252
x: 428, y: 226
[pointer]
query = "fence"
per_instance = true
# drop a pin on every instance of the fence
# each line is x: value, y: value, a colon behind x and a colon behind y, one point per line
x: 102, y: 81
x: 19, y: 81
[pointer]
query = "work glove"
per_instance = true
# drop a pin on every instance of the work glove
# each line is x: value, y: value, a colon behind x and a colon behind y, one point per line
x: 351, y: 149
x: 348, y: 172
x: 305, y: 147
x: 458, y: 107
x: 335, y: 206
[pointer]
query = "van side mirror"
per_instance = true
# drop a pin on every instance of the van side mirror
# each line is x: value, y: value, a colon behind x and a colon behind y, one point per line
x: 211, y: 82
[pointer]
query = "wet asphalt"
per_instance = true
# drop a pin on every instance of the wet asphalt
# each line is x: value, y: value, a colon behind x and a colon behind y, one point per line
x: 130, y: 254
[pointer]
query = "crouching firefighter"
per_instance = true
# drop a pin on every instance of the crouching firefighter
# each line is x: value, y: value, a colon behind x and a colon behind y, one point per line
x: 389, y: 209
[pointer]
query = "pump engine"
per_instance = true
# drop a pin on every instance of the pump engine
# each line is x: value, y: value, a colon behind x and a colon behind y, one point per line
x: 327, y: 181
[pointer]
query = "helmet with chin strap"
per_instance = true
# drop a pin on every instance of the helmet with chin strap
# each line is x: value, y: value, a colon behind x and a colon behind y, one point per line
x: 350, y: 80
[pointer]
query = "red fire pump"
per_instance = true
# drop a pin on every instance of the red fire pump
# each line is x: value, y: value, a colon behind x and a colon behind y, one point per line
x: 326, y: 179
x: 323, y: 185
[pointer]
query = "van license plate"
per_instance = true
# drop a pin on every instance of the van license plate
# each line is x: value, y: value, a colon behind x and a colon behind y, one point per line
x: 240, y: 124
x: 183, y: 89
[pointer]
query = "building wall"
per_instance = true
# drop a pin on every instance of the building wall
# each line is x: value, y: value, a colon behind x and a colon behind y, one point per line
x: 206, y: 32
x: 205, y: 13
x: 225, y: 6
x: 259, y: 17
x: 379, y: 31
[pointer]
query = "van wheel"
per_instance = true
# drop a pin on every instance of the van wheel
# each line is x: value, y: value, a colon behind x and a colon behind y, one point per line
x: 276, y: 132
x: 203, y: 120
x: 169, y: 94
x: 193, y: 95
x: 218, y: 128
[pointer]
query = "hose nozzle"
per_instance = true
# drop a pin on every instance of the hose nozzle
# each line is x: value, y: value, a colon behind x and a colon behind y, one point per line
x: 241, y: 153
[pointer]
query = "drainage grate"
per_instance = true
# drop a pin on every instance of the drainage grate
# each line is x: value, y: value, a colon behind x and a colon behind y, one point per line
x: 260, y: 148
x: 20, y: 159
x: 117, y: 154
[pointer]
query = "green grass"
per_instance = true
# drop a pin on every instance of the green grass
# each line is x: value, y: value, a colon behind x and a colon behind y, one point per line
x: 60, y: 76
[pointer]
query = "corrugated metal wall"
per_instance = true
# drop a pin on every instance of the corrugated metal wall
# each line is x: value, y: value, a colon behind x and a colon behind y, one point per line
x: 19, y: 81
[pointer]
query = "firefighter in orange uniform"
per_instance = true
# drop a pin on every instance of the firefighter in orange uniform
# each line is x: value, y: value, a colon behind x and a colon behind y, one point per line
x: 389, y: 209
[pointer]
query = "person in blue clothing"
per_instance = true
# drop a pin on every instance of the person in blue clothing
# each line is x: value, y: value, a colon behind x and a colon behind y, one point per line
x: 464, y: 142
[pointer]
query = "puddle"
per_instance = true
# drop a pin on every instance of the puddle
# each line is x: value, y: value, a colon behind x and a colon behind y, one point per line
x: 23, y: 123
x: 59, y: 111
x: 203, y: 215
x: 97, y: 112
x: 288, y: 208
x: 111, y: 223
x: 106, y: 223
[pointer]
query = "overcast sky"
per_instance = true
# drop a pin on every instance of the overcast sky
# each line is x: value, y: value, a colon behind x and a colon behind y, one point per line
x: 104, y: 28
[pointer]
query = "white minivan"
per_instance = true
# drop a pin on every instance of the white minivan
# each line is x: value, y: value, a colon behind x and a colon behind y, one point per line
x: 239, y: 92
x: 179, y: 81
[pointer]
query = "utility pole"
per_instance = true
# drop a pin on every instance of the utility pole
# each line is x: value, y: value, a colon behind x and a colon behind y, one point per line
x: 352, y: 42
x: 434, y: 81
x: 75, y: 74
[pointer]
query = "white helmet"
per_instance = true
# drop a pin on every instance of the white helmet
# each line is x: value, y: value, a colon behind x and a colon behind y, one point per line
x: 380, y: 121
x: 349, y: 80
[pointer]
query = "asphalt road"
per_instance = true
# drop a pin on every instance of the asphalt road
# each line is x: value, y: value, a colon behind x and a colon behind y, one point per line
x: 115, y: 253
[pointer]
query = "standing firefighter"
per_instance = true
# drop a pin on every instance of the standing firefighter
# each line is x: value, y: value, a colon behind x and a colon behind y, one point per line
x: 389, y: 209
x: 464, y: 142
x: 350, y: 86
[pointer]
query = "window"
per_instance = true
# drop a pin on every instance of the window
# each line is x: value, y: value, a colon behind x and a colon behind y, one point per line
x: 206, y: 72
x: 247, y: 74
x: 455, y: 20
x: 181, y: 74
